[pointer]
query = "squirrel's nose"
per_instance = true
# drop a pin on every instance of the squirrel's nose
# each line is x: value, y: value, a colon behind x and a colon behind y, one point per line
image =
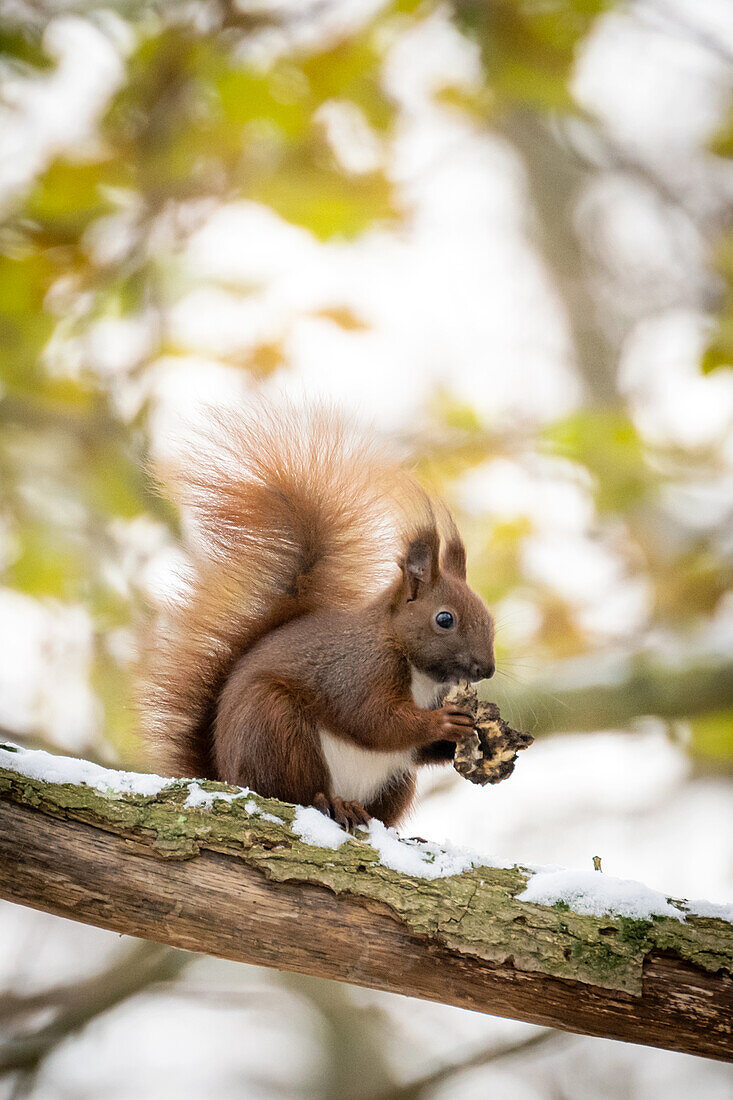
x: 480, y: 671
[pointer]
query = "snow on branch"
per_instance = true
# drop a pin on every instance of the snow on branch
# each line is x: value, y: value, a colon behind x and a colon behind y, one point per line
x: 208, y: 867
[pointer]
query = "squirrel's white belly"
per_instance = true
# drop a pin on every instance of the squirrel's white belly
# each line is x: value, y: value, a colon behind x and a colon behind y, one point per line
x: 358, y: 775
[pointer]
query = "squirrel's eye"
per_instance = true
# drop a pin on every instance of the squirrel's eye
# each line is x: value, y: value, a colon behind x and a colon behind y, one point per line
x: 444, y: 619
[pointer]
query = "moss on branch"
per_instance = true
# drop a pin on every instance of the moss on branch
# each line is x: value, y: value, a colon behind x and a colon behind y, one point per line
x: 476, y: 912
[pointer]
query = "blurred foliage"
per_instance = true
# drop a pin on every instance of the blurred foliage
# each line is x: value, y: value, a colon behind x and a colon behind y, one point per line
x: 528, y: 49
x: 608, y: 445
x: 719, y: 352
x: 710, y: 739
x: 21, y: 47
x: 194, y: 120
x: 220, y: 103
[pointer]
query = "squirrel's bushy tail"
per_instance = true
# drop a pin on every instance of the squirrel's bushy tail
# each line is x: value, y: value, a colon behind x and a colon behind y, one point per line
x: 293, y: 511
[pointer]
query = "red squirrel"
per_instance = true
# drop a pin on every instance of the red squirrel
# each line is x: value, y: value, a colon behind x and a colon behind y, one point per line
x: 326, y: 610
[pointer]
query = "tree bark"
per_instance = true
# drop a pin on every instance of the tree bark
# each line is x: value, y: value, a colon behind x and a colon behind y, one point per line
x: 228, y: 880
x: 555, y: 181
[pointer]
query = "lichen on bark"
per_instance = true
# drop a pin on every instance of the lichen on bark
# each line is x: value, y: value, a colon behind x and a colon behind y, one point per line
x: 476, y: 912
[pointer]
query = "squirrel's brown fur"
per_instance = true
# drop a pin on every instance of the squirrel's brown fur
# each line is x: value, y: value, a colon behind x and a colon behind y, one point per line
x: 312, y: 542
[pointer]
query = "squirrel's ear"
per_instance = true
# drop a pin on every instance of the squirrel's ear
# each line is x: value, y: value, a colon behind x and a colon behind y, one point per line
x: 454, y: 558
x: 420, y: 566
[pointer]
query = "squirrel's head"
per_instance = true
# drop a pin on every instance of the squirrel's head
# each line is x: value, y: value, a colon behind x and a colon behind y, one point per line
x: 445, y: 629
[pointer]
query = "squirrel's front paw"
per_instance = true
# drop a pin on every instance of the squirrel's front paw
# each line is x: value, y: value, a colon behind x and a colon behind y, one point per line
x: 346, y: 814
x: 452, y: 724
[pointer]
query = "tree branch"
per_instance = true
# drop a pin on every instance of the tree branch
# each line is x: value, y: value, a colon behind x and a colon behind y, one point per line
x: 611, y: 699
x: 143, y: 965
x: 180, y: 864
x: 496, y: 1052
x: 555, y: 182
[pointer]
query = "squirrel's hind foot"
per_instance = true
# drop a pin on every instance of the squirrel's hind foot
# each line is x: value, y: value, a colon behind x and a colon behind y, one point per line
x: 346, y: 814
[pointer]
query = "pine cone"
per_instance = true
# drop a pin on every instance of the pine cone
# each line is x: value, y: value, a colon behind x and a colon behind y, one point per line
x: 489, y: 753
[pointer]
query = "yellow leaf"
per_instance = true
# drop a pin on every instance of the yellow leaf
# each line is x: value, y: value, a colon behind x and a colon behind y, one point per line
x: 343, y: 316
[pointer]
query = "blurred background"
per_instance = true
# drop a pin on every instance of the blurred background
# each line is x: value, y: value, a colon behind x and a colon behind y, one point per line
x: 499, y: 232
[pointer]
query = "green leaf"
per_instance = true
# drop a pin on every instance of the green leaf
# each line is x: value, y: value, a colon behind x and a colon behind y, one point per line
x: 49, y: 564
x: 719, y: 352
x: 280, y: 96
x: 609, y: 446
x: 22, y: 46
x: 711, y: 738
x: 351, y: 70
x: 114, y: 482
x: 25, y: 326
x: 528, y: 49
x: 496, y: 568
x: 452, y: 413
x: 69, y: 195
x: 722, y: 142
x: 324, y: 200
